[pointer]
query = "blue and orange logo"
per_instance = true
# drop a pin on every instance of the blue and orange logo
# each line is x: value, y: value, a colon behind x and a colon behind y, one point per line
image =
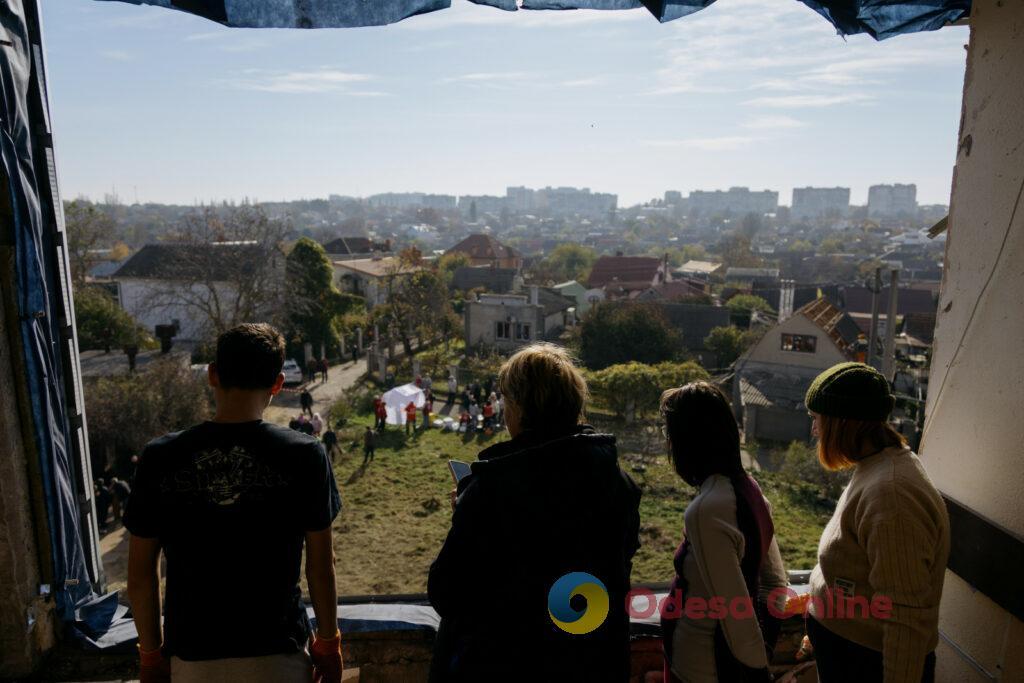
x: 570, y: 619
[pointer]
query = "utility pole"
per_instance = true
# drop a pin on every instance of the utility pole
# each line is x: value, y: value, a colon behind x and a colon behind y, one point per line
x: 889, y: 359
x: 876, y: 290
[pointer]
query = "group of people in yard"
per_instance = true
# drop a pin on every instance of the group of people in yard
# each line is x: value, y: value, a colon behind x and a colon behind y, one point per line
x: 480, y: 408
x: 532, y: 582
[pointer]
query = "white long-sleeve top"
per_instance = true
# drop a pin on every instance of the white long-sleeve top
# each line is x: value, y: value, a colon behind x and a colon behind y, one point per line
x: 712, y: 569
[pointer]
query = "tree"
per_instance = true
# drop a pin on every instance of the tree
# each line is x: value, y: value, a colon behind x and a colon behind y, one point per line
x: 228, y: 267
x: 735, y: 251
x: 127, y: 411
x: 568, y: 262
x: 417, y: 303
x: 314, y: 303
x: 751, y: 225
x: 88, y: 228
x: 472, y: 211
x: 727, y: 343
x: 831, y: 245
x: 634, y: 388
x: 102, y: 324
x: 619, y: 333
x: 748, y: 303
x: 449, y: 263
x: 674, y: 374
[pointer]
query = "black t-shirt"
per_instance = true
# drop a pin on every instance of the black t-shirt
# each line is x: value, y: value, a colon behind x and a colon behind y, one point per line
x: 231, y: 504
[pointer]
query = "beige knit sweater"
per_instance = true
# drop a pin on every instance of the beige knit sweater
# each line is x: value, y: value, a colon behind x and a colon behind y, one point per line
x: 889, y: 537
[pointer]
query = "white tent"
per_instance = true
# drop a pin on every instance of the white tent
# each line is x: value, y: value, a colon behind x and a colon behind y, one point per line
x: 398, y: 398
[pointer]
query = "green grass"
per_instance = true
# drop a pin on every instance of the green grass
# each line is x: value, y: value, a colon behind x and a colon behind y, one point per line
x: 396, y: 512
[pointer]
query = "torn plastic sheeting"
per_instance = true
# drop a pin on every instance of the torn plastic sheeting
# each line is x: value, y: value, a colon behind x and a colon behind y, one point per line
x: 878, y: 19
x: 37, y: 280
x: 300, y: 13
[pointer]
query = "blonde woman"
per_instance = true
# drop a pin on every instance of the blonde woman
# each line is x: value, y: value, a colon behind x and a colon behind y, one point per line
x: 550, y: 503
x: 875, y: 592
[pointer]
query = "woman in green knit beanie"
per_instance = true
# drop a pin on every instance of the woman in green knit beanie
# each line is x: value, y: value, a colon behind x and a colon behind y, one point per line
x: 874, y: 601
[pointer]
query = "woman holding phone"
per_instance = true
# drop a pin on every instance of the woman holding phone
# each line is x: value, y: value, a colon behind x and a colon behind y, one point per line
x: 549, y: 503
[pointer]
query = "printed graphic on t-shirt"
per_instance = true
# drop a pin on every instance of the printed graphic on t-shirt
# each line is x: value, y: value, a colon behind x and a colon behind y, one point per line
x: 222, y: 477
x: 845, y: 586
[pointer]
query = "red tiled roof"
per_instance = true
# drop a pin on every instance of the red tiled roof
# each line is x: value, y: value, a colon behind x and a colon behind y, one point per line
x: 623, y: 269
x: 481, y: 246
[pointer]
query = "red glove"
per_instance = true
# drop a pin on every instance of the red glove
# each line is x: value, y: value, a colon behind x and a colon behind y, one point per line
x: 326, y: 655
x: 154, y: 667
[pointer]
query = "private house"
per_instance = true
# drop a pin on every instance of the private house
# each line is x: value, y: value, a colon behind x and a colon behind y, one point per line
x: 179, y: 284
x: 585, y: 298
x: 372, y: 278
x: 772, y: 376
x: 748, y: 278
x: 490, y: 279
x: 908, y: 300
x: 619, y: 275
x: 348, y: 248
x: 484, y: 250
x: 676, y: 290
x: 701, y: 270
x: 504, y: 322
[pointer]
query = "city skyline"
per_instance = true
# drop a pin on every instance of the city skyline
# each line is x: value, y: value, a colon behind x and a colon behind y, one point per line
x: 174, y: 109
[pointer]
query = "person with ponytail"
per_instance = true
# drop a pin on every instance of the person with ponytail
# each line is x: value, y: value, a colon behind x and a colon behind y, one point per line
x: 728, y: 557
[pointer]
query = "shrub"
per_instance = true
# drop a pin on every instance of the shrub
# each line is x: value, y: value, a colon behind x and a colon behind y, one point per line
x: 629, y: 389
x: 127, y: 411
x: 340, y: 412
x: 799, y: 465
x: 103, y: 324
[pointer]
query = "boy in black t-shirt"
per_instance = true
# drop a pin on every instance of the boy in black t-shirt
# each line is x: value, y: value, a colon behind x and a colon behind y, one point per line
x: 231, y: 502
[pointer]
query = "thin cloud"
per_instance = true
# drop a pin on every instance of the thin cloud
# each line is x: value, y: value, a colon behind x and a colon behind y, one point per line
x: 772, y: 123
x: 800, y: 101
x: 728, y: 143
x: 312, y: 81
x: 487, y: 77
x: 581, y: 82
x: 791, y: 51
x: 117, y: 55
x: 204, y: 36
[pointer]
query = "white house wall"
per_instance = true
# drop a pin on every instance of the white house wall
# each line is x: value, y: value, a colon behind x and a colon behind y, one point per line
x: 138, y: 296
x: 768, y: 354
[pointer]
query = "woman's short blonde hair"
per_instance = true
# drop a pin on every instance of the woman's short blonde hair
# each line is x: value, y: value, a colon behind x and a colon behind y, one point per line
x: 546, y: 386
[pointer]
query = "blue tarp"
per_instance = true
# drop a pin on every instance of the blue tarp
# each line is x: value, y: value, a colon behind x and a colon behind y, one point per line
x: 24, y: 138
x: 874, y: 17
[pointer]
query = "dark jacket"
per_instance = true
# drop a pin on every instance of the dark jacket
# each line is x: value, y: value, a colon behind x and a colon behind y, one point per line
x: 534, y: 509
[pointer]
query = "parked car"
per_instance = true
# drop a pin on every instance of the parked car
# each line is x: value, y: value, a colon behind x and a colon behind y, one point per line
x: 292, y: 372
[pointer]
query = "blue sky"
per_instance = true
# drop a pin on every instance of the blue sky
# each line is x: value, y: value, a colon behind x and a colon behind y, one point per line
x: 469, y: 100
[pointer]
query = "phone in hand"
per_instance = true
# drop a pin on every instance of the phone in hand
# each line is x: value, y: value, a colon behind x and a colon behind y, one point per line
x: 459, y: 470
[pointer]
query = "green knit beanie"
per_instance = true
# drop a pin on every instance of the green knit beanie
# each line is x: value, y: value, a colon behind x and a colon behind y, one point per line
x: 851, y: 390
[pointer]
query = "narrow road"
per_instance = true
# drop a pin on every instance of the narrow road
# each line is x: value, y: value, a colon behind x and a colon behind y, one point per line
x: 340, y: 378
